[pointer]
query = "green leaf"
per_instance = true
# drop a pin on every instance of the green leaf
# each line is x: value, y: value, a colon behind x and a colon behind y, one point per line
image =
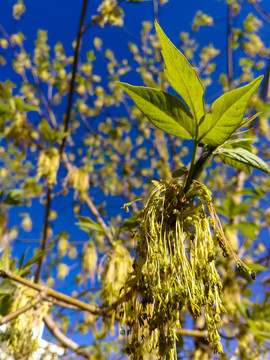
x: 230, y: 209
x: 263, y: 335
x: 131, y: 223
x: 14, y: 197
x: 234, y: 143
x: 50, y: 134
x: 249, y: 229
x: 5, y: 109
x: 246, y: 157
x: 5, y: 304
x: 87, y: 224
x: 5, y: 90
x: 21, y: 106
x: 239, y: 143
x: 256, y: 267
x: 226, y: 114
x: 38, y: 254
x: 247, y: 121
x: 256, y: 193
x: 182, y: 77
x: 164, y: 110
x: 5, y: 259
x: 5, y: 115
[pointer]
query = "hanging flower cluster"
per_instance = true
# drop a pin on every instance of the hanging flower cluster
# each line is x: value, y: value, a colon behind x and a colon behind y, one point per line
x: 174, y: 269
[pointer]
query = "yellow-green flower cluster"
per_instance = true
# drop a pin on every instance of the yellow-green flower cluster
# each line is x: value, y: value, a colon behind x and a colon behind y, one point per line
x: 48, y: 164
x: 174, y: 270
x: 21, y: 338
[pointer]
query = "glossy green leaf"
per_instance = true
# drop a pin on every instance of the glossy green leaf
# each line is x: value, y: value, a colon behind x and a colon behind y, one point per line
x: 182, y: 77
x: 246, y: 157
x: 226, y: 114
x: 164, y: 110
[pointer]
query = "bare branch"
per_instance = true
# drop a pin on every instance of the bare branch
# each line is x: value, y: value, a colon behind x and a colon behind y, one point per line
x: 65, y: 341
x: 50, y: 292
x: 74, y: 70
x: 91, y: 206
x: 229, y: 42
x: 15, y: 314
x: 261, y: 11
x: 155, y: 7
x: 45, y: 232
x: 195, y: 333
x: 93, y: 309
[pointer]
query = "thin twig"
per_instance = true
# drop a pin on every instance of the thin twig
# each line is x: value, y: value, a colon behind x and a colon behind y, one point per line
x: 93, y: 309
x: 91, y: 206
x: 6, y: 319
x: 194, y: 333
x: 229, y: 43
x: 51, y: 293
x: 45, y: 233
x: 155, y: 7
x: 74, y: 70
x: 65, y: 341
x: 261, y: 11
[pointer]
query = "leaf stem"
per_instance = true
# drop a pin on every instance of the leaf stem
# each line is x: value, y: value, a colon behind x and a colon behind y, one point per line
x: 197, y: 168
x: 192, y: 164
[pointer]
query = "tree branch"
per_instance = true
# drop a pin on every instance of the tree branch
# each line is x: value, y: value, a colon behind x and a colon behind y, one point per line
x: 90, y: 204
x: 155, y: 7
x: 194, y: 333
x: 50, y: 292
x: 80, y: 305
x: 31, y: 304
x: 261, y: 11
x: 74, y: 70
x: 229, y: 42
x: 65, y: 341
x: 45, y: 233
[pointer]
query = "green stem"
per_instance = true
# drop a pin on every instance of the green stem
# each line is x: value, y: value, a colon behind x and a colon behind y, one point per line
x: 192, y: 164
x: 198, y: 167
